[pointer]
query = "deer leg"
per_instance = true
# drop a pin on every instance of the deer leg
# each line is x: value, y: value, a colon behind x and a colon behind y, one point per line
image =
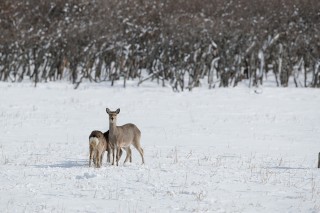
x: 130, y: 155
x: 90, y: 155
x: 108, y: 155
x: 140, y: 150
x: 101, y: 157
x: 113, y: 155
x: 96, y: 158
x: 128, y: 151
x: 118, y: 154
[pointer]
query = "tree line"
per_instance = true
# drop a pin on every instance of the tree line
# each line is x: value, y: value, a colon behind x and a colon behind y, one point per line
x: 176, y: 42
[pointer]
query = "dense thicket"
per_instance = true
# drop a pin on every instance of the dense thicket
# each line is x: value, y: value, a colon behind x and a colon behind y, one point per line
x: 177, y: 42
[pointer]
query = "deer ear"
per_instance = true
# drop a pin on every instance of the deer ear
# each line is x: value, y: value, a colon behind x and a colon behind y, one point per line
x: 118, y: 111
x: 108, y: 110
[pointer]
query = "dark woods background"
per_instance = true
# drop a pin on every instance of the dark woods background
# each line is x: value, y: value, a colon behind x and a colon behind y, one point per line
x: 177, y: 42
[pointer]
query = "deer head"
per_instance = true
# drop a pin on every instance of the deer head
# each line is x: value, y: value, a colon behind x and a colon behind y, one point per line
x: 112, y: 115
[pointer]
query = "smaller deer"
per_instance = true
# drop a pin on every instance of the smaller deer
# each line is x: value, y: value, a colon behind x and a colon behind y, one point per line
x: 97, y: 147
x: 123, y: 137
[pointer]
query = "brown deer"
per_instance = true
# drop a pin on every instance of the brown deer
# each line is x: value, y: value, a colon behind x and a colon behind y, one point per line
x: 123, y: 137
x: 97, y: 147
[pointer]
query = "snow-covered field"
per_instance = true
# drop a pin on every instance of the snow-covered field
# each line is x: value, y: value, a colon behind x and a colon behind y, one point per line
x: 221, y: 150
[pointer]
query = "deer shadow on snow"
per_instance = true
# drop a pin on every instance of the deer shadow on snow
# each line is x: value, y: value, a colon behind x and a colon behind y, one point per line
x: 67, y: 164
x: 288, y: 168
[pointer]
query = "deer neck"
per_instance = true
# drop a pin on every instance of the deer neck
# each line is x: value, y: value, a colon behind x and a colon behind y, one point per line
x: 113, y: 128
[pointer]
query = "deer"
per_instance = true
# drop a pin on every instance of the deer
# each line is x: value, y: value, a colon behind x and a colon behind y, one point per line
x: 123, y: 136
x: 98, y: 144
x: 110, y: 147
x: 97, y: 148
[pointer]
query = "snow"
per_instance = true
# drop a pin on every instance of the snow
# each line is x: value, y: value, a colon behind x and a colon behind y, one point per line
x: 220, y: 150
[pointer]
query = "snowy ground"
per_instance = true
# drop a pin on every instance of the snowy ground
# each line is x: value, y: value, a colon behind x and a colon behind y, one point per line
x: 221, y: 150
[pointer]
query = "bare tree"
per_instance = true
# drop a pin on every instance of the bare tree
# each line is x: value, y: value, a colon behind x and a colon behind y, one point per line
x: 221, y: 42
